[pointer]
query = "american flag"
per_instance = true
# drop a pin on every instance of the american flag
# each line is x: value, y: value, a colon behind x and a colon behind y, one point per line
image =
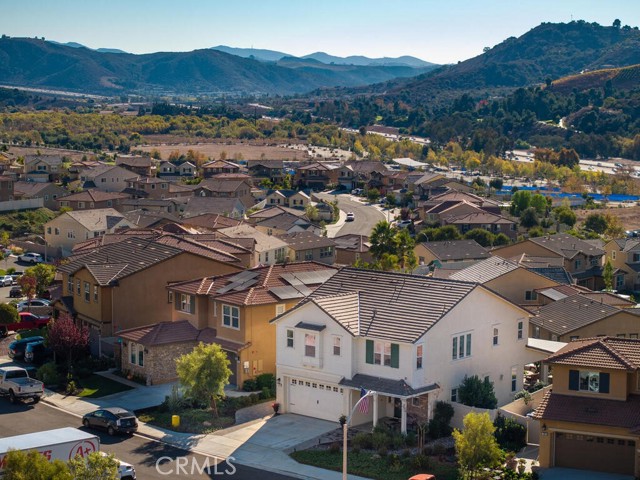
x: 364, y: 404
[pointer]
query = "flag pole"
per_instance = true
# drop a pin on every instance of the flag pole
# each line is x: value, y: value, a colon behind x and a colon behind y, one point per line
x: 345, y: 428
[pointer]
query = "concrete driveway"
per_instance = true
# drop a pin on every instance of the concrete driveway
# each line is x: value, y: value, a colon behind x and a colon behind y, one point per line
x: 572, y: 474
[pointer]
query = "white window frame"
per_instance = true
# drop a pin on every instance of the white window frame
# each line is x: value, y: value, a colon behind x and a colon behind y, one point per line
x: 419, y: 356
x: 520, y: 329
x: 280, y: 309
x: 310, y: 345
x: 514, y: 378
x: 454, y: 395
x: 588, y: 375
x: 337, y: 346
x: 290, y: 338
x: 496, y: 336
x: 229, y: 314
x: 185, y: 303
x: 382, y: 353
x: 461, y: 346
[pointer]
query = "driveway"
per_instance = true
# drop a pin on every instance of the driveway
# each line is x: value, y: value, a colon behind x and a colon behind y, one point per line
x: 366, y: 216
x: 572, y: 474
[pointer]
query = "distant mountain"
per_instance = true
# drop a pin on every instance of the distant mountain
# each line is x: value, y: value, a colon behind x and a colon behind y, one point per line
x: 405, y: 61
x: 79, y: 45
x: 547, y: 51
x: 36, y: 63
x: 110, y: 50
x: 256, y: 53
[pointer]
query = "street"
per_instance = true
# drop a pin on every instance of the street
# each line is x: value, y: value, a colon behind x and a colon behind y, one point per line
x: 141, y: 452
x: 9, y: 262
x: 366, y: 216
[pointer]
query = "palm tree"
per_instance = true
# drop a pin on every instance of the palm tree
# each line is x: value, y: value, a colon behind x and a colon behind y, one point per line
x: 383, y: 239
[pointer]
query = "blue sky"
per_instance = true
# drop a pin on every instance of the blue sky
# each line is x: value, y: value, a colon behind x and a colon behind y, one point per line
x: 436, y: 31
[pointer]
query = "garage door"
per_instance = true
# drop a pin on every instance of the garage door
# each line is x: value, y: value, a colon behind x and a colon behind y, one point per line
x: 313, y: 399
x: 604, y: 454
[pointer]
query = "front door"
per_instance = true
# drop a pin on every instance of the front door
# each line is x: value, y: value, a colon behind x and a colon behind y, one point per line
x: 233, y: 366
x: 397, y: 408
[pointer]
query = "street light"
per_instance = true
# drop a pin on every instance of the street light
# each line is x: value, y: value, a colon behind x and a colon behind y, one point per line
x: 345, y: 427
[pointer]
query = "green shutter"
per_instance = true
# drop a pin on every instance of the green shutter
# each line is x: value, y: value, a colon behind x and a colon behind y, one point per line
x: 395, y: 355
x: 176, y: 301
x: 192, y: 308
x: 574, y: 380
x: 369, y: 354
x: 604, y: 383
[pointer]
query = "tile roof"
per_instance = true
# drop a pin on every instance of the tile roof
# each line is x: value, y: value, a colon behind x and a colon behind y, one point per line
x: 455, y: 195
x: 220, y: 164
x: 485, y: 270
x: 352, y: 242
x: 29, y: 188
x: 343, y: 307
x: 610, y: 299
x: 264, y: 242
x: 217, y: 184
x: 595, y: 411
x: 134, y: 161
x: 298, y: 241
x: 479, y: 218
x: 274, y: 211
x: 197, y: 206
x: 93, y: 195
x: 212, y: 221
x: 397, y: 388
x: 285, y: 221
x: 530, y: 261
x: 600, y: 352
x: 256, y: 292
x: 98, y: 218
x: 570, y: 313
x: 557, y: 274
x: 395, y: 306
x: 457, y: 250
x: 566, y: 245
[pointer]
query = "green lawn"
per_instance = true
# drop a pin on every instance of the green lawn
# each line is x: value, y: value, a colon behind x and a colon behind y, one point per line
x: 96, y: 386
x: 192, y: 420
x: 368, y: 464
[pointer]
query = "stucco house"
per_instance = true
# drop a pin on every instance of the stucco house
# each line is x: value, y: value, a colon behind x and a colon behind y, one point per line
x: 307, y: 246
x: 591, y: 418
x: 624, y: 255
x: 42, y: 168
x: 352, y: 248
x: 108, y: 178
x: 409, y: 338
x: 450, y: 251
x: 90, y: 199
x: 267, y: 249
x: 215, y: 167
x: 48, y: 192
x: 288, y: 198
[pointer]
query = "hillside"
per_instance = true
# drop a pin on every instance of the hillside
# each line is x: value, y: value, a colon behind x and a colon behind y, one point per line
x: 36, y: 63
x: 622, y: 78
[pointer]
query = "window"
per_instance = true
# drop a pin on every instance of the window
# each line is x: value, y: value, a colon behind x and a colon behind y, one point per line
x: 71, y: 234
x: 495, y: 336
x: 415, y: 401
x: 536, y: 332
x: 280, y: 309
x: 588, y: 381
x: 621, y: 335
x: 531, y: 295
x: 78, y: 287
x: 87, y: 292
x: 57, y: 231
x: 461, y: 346
x: 619, y: 282
x: 633, y: 335
x: 514, y: 378
x: 454, y: 394
x: 266, y: 256
x: 577, y: 264
x: 382, y: 354
x: 326, y: 252
x: 520, y: 330
x: 309, y: 345
x: 613, y: 254
x: 636, y: 257
x: 419, y: 350
x: 70, y: 285
x: 187, y: 303
x: 49, y: 230
x: 337, y: 346
x: 170, y: 297
x: 231, y: 316
x: 95, y: 293
x: 80, y: 205
x: 290, y: 338
x: 574, y: 337
x: 308, y: 255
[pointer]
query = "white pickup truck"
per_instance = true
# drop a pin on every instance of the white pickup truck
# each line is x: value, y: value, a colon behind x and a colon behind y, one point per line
x: 15, y: 382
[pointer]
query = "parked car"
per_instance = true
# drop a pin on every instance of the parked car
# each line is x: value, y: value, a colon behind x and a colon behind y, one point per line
x: 27, y: 321
x: 30, y: 257
x: 15, y: 382
x: 125, y: 470
x: 403, y: 223
x: 18, y: 347
x: 37, y: 352
x: 350, y: 217
x: 356, y: 191
x: 6, y: 280
x: 15, y: 292
x: 113, y: 420
x: 36, y: 302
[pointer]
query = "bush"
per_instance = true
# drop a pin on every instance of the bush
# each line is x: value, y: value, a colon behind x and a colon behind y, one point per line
x: 382, y: 451
x: 265, y: 393
x: 439, y: 425
x: 474, y: 392
x: 421, y: 462
x: 48, y: 374
x: 510, y: 434
x: 250, y: 385
x: 334, y: 447
x: 362, y: 441
x: 380, y: 440
x: 266, y: 380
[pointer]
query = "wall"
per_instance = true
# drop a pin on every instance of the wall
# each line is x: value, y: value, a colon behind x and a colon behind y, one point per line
x: 617, y: 383
x: 65, y: 224
x: 159, y: 362
x: 527, y: 247
x: 31, y: 203
x: 460, y: 411
x: 513, y: 285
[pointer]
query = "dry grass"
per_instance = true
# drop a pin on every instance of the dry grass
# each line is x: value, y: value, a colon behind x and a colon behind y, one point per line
x: 629, y: 216
x: 232, y: 150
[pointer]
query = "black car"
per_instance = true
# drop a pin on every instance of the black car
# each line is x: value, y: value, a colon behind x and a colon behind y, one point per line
x: 15, y: 292
x: 113, y: 420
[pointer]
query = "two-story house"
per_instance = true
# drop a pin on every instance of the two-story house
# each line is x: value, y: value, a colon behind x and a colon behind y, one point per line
x: 42, y: 168
x: 272, y: 170
x: 232, y: 310
x: 287, y: 198
x: 583, y: 260
x: 287, y: 223
x: 92, y: 198
x: 591, y: 418
x: 409, y: 338
x: 148, y: 187
x: 48, y: 192
x: 142, y: 166
x: 307, y: 246
x: 624, y: 255
x: 352, y: 248
x: 225, y: 187
x: 450, y: 251
x: 267, y: 249
x: 215, y: 167
x: 480, y: 219
x: 317, y: 175
x: 108, y: 178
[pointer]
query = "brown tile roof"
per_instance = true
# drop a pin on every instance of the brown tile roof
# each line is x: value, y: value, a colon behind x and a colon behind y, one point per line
x: 299, y: 241
x: 212, y: 221
x: 566, y: 245
x: 274, y: 211
x: 352, y: 242
x: 221, y: 184
x: 29, y: 188
x: 452, y: 250
x: 93, y: 195
x: 595, y: 411
x: 255, y: 293
x: 479, y: 218
x: 220, y: 164
x: 601, y: 352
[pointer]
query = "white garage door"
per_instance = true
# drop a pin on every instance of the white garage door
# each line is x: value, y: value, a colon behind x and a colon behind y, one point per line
x: 313, y: 399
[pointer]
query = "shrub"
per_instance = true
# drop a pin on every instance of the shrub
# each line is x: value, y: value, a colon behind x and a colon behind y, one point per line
x: 254, y: 398
x: 382, y: 451
x: 474, y: 392
x: 381, y: 440
x: 174, y: 402
x: 250, y: 385
x: 48, y: 374
x: 421, y: 462
x: 266, y: 380
x: 510, y: 434
x: 334, y: 447
x: 363, y: 441
x: 439, y: 425
x: 265, y: 393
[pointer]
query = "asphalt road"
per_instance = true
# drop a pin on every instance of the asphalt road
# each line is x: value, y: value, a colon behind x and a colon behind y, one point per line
x: 366, y: 216
x: 6, y: 263
x: 141, y: 452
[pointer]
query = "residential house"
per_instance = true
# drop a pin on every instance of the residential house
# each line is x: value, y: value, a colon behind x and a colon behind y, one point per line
x: 90, y: 199
x: 168, y: 205
x: 272, y: 170
x: 409, y: 338
x: 187, y: 170
x: 48, y: 192
x: 42, y: 168
x: 267, y: 249
x: 142, y: 166
x: 108, y: 178
x: 74, y: 169
x: 317, y: 175
x: 64, y: 231
x: 271, y: 212
x: 624, y: 255
x: 211, y: 221
x: 287, y: 223
x: 581, y: 316
x: 487, y: 221
x: 174, y: 172
x: 146, y: 219
x: 123, y: 285
x: 288, y: 198
x: 450, y: 251
x: 591, y: 418
x: 352, y: 248
x: 230, y: 207
x: 215, y: 167
x: 362, y: 174
x: 6, y: 188
x: 307, y: 246
x: 517, y: 284
x: 581, y: 259
x: 148, y: 187
x: 231, y: 310
x: 222, y: 187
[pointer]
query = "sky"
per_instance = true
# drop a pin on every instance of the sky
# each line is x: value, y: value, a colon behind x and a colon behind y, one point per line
x: 436, y: 31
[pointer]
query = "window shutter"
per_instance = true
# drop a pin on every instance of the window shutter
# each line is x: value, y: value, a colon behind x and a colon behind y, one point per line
x: 369, y: 354
x: 604, y: 382
x: 192, y: 306
x: 176, y: 301
x: 574, y: 379
x: 395, y: 355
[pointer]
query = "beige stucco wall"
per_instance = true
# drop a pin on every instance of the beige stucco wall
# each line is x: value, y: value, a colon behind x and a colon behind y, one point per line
x: 617, y: 383
x: 520, y: 248
x: 65, y: 224
x: 514, y: 284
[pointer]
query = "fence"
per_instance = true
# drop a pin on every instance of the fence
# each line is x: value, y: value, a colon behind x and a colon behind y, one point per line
x: 28, y: 204
x: 460, y: 411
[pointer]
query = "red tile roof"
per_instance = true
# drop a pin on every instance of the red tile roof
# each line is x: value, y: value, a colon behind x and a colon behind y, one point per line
x: 601, y: 352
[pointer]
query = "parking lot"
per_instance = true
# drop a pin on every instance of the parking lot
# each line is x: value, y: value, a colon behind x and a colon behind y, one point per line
x: 5, y: 264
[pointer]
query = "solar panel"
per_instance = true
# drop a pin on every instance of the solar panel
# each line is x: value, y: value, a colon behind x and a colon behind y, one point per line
x: 292, y: 278
x: 246, y: 284
x: 246, y: 275
x: 285, y: 293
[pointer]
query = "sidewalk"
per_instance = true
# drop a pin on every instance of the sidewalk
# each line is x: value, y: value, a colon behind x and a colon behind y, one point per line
x: 263, y: 443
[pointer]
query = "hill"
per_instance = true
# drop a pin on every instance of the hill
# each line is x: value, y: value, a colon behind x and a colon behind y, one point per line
x: 255, y: 53
x: 622, y: 78
x: 37, y: 63
x: 404, y: 61
x: 79, y: 45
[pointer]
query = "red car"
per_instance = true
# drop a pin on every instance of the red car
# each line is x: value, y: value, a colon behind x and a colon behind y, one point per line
x: 27, y: 321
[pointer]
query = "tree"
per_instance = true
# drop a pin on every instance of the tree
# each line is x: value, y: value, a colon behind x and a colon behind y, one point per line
x: 596, y: 222
x: 476, y: 445
x: 44, y: 275
x: 8, y: 314
x: 539, y: 202
x: 311, y: 211
x: 607, y: 276
x: 501, y: 239
x: 28, y: 283
x: 95, y: 467
x: 204, y: 373
x: 480, y: 235
x: 520, y: 201
x: 373, y: 194
x: 382, y: 239
x: 32, y: 465
x: 617, y: 23
x: 391, y: 199
x: 66, y: 339
x: 404, y: 250
x: 529, y: 218
x: 496, y: 183
x: 566, y: 216
x: 474, y: 392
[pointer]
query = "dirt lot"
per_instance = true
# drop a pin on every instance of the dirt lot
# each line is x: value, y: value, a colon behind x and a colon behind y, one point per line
x: 22, y: 151
x: 629, y: 216
x: 233, y: 151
